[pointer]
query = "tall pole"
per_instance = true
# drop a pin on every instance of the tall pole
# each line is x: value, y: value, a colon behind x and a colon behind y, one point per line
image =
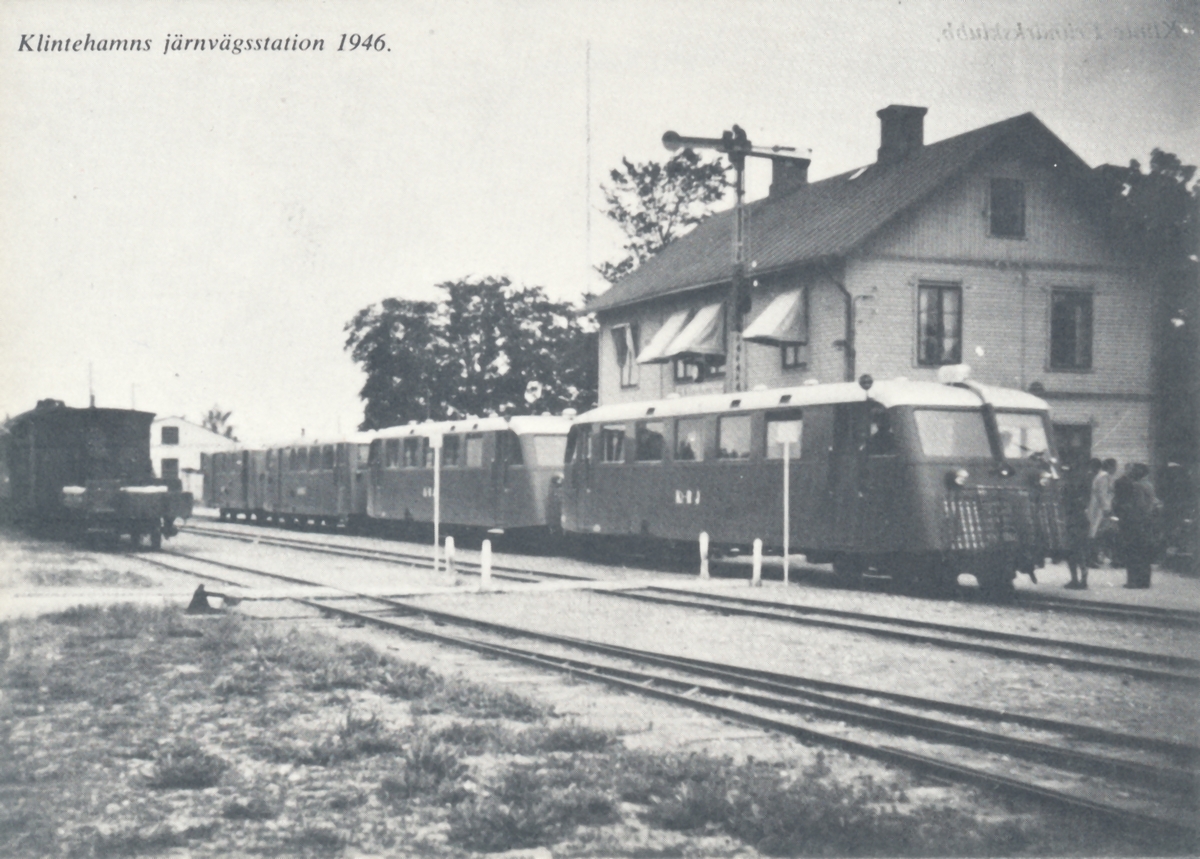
x: 737, y: 284
x: 787, y: 497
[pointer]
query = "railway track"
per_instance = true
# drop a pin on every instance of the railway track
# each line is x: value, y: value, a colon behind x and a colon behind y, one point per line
x: 1144, y: 665
x: 1074, y: 767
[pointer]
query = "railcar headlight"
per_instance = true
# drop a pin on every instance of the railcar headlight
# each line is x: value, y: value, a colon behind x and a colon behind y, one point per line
x: 957, y: 478
x: 1044, y: 478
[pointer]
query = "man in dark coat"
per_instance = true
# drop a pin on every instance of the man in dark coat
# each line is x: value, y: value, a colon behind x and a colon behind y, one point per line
x: 1135, y: 506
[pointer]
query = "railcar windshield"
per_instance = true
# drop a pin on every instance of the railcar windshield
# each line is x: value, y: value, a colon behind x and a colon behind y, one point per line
x: 951, y: 433
x: 549, y: 449
x: 1023, y: 435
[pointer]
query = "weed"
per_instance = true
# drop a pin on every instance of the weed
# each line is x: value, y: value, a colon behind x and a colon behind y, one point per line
x: 409, y: 681
x: 246, y: 679
x: 473, y: 737
x: 185, y: 765
x: 571, y: 737
x: 255, y: 808
x: 529, y: 806
x: 474, y: 699
x: 430, y: 767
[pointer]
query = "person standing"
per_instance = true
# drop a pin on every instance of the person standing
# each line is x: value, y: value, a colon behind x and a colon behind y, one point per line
x: 1100, y: 506
x: 1076, y: 499
x: 1135, y: 506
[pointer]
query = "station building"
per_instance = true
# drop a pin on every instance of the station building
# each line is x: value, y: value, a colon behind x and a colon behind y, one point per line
x: 175, y: 448
x: 986, y: 248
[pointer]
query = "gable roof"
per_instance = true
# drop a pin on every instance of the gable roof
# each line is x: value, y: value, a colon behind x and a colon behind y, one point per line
x: 828, y: 219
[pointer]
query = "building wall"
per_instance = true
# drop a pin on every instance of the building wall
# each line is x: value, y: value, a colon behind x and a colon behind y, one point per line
x: 1006, y: 291
x: 193, y: 440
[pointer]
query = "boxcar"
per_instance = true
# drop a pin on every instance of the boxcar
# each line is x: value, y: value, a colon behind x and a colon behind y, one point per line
x: 88, y: 470
x: 920, y: 480
x: 496, y: 473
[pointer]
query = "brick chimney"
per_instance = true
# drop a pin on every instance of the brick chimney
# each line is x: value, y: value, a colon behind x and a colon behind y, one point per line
x: 901, y: 132
x: 787, y: 172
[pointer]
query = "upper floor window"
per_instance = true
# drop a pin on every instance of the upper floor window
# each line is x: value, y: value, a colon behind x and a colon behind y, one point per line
x: 699, y: 369
x: 939, y: 324
x: 625, y: 339
x: 794, y: 356
x: 1070, y: 330
x: 1006, y: 209
x: 170, y: 435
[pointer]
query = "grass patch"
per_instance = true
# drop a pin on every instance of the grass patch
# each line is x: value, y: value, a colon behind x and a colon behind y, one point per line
x: 430, y: 768
x: 285, y: 740
x: 527, y: 807
x: 186, y: 766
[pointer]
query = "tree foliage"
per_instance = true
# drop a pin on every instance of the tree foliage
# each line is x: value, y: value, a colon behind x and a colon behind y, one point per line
x: 474, y: 352
x: 1155, y: 216
x: 218, y: 421
x: 654, y: 203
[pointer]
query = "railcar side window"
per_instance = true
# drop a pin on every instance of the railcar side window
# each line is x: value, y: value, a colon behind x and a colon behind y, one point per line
x: 579, y: 444
x: 733, y: 437
x: 343, y: 454
x: 784, y: 426
x: 365, y: 452
x: 1023, y: 435
x: 314, y: 458
x: 689, y: 439
x: 512, y: 448
x: 327, y: 456
x: 427, y: 450
x: 880, y: 440
x: 952, y: 433
x: 412, y: 452
x: 475, y: 450
x: 612, y: 444
x: 450, y: 445
x: 393, y: 453
x: 549, y: 449
x: 651, y: 441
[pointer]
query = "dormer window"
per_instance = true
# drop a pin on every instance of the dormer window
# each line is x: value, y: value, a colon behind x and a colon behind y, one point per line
x: 1006, y: 209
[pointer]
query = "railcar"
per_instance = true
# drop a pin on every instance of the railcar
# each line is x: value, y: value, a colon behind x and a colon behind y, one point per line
x: 88, y: 470
x: 918, y: 480
x: 496, y: 473
x: 317, y: 483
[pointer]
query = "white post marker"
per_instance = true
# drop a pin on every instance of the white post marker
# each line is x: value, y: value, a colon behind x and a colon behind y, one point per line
x: 485, y: 566
x: 756, y: 569
x: 704, y: 554
x: 435, y: 441
x: 451, y: 572
x: 787, y: 433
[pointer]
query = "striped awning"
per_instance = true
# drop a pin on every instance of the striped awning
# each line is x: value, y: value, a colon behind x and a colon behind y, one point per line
x: 782, y: 323
x: 657, y: 347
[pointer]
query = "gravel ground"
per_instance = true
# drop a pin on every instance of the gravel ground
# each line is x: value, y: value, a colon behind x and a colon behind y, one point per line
x: 37, y: 577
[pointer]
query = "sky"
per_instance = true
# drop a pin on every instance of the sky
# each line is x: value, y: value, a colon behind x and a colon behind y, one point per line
x: 183, y: 228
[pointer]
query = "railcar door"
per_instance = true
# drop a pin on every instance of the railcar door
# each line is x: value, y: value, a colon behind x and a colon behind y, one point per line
x: 884, y: 521
x: 507, y: 464
x: 577, y: 491
x: 848, y: 472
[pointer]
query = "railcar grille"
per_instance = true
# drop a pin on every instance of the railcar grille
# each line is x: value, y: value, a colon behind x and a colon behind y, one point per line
x: 979, y: 518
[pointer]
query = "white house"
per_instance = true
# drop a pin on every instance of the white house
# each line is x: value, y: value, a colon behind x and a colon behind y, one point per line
x: 175, y: 448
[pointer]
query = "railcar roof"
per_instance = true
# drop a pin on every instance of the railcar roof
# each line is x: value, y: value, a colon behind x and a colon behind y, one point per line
x: 894, y: 392
x: 520, y: 424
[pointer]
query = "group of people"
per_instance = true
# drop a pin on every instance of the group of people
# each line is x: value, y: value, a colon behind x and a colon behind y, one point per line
x: 1113, y: 515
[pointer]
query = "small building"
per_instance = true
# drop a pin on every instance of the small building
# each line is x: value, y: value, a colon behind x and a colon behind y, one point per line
x: 175, y: 448
x: 985, y: 248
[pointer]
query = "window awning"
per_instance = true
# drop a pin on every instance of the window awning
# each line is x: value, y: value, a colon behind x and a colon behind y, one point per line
x: 701, y: 337
x: 782, y: 323
x: 657, y: 347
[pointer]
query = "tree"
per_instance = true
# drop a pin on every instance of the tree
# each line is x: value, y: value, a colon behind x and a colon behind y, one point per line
x: 1155, y: 216
x: 474, y: 352
x: 218, y: 421
x: 654, y: 203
